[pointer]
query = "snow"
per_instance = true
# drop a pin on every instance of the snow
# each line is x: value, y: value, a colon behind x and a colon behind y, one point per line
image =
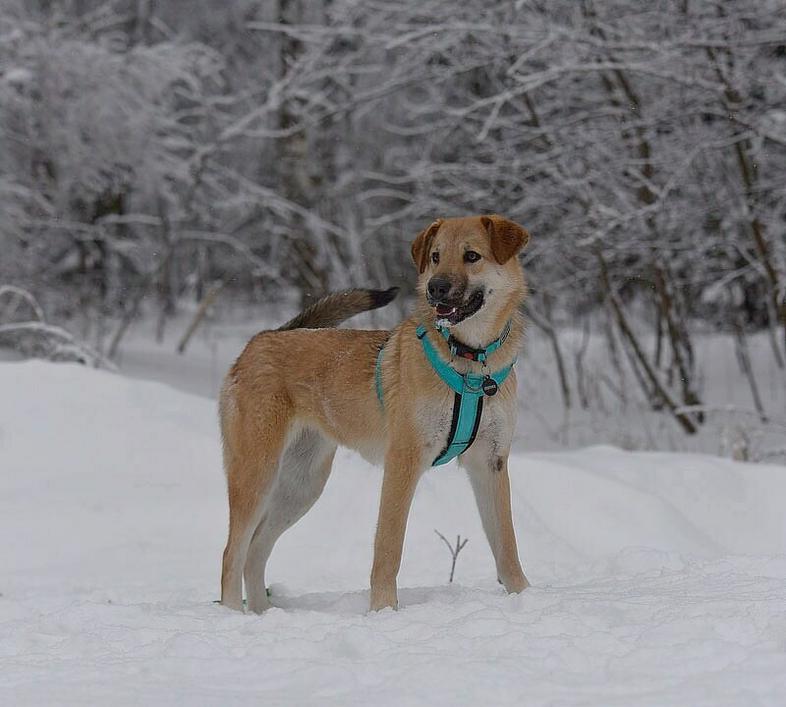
x: 658, y: 578
x: 18, y: 75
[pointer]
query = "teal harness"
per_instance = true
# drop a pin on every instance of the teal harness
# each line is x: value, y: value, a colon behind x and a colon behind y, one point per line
x: 470, y: 388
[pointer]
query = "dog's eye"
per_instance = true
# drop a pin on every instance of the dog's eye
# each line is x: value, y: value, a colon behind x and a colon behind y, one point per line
x: 471, y: 256
x: 435, y: 258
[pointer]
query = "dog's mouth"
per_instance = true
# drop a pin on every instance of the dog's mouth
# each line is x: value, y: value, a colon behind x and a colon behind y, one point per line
x: 450, y: 314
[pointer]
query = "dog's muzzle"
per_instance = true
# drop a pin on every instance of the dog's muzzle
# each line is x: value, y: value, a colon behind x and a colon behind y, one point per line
x: 453, y: 311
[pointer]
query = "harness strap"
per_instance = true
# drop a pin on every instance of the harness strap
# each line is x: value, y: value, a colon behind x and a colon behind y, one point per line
x: 468, y: 389
x: 468, y: 402
x: 467, y: 411
x: 378, y: 376
x: 462, y: 383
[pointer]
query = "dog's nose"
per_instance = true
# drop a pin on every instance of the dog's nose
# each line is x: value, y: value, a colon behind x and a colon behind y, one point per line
x: 438, y: 288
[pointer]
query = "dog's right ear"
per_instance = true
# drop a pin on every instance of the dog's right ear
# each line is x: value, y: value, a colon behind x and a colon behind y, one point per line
x: 422, y: 245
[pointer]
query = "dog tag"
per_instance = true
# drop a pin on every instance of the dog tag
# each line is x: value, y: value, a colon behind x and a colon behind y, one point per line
x: 489, y: 386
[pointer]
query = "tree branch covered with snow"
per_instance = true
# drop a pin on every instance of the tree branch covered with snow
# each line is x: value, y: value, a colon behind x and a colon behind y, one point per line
x: 148, y: 150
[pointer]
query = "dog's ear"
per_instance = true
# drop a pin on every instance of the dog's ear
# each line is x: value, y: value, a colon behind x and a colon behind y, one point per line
x: 507, y: 238
x: 422, y: 245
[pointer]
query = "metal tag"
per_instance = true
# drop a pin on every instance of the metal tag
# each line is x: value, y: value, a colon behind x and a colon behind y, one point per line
x: 489, y: 386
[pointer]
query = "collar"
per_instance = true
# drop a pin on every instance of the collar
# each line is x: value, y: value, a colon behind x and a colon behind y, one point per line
x: 460, y: 349
x: 473, y: 384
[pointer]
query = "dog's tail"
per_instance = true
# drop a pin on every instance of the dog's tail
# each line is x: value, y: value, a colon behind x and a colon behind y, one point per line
x: 333, y: 309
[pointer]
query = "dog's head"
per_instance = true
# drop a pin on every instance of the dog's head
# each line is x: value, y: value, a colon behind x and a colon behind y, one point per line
x: 468, y: 266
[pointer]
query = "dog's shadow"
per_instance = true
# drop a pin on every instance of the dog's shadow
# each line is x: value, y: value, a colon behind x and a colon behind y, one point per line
x: 353, y: 603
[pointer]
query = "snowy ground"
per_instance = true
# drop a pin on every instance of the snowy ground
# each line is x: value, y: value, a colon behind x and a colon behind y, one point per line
x: 659, y: 579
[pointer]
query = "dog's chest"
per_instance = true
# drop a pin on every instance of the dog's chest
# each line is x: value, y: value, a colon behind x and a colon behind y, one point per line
x: 435, y: 421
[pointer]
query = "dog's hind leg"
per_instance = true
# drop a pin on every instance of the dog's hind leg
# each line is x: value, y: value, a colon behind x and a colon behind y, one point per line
x: 304, y: 470
x: 253, y: 443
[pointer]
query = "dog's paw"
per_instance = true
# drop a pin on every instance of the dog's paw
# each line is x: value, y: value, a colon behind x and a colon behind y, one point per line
x: 383, y: 598
x: 516, y: 585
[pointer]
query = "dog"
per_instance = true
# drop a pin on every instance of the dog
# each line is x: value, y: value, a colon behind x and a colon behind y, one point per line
x: 296, y: 393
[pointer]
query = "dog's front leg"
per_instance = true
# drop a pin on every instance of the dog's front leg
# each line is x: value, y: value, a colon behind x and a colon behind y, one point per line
x: 488, y: 473
x: 402, y: 471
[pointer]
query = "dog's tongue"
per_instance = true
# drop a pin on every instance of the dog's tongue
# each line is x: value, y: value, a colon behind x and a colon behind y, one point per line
x: 444, y: 310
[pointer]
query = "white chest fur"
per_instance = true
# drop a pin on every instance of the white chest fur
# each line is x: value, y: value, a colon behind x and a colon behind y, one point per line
x: 497, y: 423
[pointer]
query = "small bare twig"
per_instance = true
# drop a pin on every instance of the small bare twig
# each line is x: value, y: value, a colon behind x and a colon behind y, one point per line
x: 454, y: 551
x: 207, y: 300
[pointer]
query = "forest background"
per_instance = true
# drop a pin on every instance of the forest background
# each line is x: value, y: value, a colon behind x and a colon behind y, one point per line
x: 168, y: 167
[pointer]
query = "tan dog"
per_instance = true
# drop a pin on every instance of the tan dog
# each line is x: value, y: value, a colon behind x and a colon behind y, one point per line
x: 294, y: 394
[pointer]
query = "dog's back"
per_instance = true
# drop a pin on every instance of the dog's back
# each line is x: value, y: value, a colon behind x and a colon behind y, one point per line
x: 282, y: 361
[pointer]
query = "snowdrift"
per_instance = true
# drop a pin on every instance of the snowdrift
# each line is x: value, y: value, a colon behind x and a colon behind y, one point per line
x: 658, y: 578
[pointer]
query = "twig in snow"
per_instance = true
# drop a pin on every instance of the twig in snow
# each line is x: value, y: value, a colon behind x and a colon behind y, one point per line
x: 454, y: 551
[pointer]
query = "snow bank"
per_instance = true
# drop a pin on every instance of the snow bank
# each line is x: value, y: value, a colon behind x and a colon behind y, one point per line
x: 659, y: 579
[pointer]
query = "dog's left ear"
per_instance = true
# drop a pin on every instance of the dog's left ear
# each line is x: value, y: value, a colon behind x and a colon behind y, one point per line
x: 507, y: 238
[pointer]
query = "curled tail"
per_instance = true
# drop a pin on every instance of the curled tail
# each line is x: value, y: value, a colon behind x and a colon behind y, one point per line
x: 333, y: 309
